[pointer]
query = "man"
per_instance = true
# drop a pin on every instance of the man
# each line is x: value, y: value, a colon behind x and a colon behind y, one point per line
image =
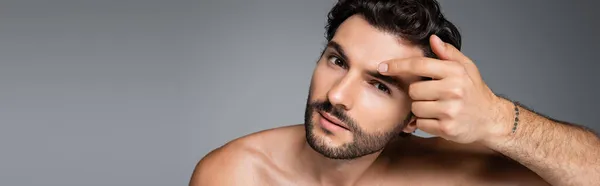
x: 389, y: 68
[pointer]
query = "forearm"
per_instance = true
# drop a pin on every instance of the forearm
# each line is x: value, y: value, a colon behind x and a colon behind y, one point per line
x: 561, y: 153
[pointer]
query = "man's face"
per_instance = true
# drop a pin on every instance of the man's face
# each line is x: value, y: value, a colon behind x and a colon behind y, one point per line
x: 370, y: 109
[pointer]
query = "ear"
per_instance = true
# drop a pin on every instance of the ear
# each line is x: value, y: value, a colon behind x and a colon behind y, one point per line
x: 411, y: 126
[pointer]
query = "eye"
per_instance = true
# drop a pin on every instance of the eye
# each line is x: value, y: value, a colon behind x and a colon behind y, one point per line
x: 381, y: 87
x: 337, y: 61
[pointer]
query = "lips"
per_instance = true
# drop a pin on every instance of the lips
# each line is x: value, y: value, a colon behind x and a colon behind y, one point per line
x: 333, y: 120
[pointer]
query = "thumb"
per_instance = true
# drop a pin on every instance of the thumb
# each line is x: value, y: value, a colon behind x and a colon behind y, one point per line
x: 438, y: 47
x: 446, y: 51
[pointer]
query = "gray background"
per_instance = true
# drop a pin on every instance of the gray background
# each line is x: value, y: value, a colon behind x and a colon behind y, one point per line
x: 132, y: 92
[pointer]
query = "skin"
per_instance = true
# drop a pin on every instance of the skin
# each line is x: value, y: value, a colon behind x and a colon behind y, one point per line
x: 475, y: 144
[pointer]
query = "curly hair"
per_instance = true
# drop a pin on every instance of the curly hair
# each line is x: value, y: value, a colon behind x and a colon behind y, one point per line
x: 412, y: 20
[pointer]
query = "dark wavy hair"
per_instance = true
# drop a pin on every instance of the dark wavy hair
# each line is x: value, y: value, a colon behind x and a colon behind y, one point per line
x: 413, y: 20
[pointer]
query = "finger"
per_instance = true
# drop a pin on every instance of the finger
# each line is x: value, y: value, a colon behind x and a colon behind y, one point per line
x: 425, y: 90
x: 425, y: 109
x: 430, y: 126
x: 434, y: 90
x: 435, y: 109
x: 446, y: 51
x: 421, y: 66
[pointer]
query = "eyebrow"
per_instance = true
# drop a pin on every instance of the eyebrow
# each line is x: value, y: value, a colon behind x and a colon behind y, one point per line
x: 388, y: 79
x: 338, y: 48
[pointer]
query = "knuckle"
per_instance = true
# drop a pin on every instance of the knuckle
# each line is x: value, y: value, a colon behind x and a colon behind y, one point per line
x: 446, y: 128
x: 450, y: 130
x: 416, y: 65
x: 422, y: 65
x: 455, y: 92
x: 397, y: 66
x: 448, y: 113
x: 451, y: 111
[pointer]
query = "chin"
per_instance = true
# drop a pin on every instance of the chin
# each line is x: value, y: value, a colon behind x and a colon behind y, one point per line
x: 328, y: 139
x: 328, y: 145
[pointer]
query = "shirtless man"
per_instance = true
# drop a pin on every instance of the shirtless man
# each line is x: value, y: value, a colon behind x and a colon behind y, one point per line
x: 389, y: 68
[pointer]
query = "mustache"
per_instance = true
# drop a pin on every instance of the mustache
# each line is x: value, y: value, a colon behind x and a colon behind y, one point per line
x: 326, y: 106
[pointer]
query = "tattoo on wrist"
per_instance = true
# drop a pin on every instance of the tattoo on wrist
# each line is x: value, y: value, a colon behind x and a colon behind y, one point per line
x: 516, y: 123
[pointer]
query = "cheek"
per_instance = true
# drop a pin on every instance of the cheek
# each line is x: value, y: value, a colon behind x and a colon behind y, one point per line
x: 381, y: 113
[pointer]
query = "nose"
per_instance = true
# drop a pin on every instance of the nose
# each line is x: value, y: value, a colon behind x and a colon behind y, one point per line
x: 342, y: 94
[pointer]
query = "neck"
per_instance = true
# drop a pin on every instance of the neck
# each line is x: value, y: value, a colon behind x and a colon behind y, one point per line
x: 334, y: 171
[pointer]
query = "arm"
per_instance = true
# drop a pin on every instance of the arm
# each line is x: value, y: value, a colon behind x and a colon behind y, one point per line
x: 458, y: 106
x: 562, y: 153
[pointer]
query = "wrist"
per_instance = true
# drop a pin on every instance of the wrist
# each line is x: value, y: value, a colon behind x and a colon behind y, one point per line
x: 502, y: 128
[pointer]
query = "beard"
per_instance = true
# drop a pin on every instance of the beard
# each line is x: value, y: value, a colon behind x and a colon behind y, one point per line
x: 363, y: 143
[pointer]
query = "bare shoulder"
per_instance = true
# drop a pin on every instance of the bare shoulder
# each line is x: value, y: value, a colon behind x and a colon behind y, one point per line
x: 231, y: 164
x: 242, y: 161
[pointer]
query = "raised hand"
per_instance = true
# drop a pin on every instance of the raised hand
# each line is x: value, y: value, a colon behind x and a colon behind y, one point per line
x: 456, y: 104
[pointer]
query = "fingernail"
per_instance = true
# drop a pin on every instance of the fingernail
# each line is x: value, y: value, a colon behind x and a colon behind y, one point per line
x: 383, y: 67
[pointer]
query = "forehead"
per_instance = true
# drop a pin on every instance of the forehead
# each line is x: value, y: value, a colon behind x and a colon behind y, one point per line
x: 368, y: 46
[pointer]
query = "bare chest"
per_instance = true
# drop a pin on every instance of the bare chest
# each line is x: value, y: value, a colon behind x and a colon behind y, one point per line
x: 423, y: 180
x: 399, y: 180
x: 415, y: 172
